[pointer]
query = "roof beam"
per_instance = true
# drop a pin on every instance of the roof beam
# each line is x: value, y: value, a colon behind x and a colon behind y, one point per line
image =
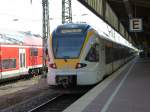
x: 128, y: 8
x: 142, y: 3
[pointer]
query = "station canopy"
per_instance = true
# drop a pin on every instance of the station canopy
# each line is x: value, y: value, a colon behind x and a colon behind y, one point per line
x: 119, y: 13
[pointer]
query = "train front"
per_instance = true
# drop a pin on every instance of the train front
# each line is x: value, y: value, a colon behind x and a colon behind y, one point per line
x: 66, y: 47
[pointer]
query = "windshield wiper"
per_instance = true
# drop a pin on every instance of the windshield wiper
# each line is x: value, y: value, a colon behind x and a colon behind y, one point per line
x: 65, y: 58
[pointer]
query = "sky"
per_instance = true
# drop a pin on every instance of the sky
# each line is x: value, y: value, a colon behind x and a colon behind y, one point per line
x: 27, y: 16
x: 22, y: 15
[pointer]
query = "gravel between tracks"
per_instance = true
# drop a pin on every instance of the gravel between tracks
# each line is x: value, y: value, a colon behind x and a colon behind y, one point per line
x: 26, y: 105
x: 31, y: 94
x: 23, y: 93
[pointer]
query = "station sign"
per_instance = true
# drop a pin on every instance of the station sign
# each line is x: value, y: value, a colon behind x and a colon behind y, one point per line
x: 136, y: 25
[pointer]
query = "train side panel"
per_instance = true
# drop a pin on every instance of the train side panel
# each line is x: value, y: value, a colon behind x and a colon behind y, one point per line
x: 15, y: 54
x: 9, y: 62
x: 95, y: 70
x: 91, y: 70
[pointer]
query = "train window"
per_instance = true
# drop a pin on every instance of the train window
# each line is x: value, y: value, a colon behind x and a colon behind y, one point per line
x: 8, y: 63
x: 115, y: 54
x: 33, y: 51
x: 22, y: 60
x: 69, y: 46
x: 93, y: 54
x: 108, y: 54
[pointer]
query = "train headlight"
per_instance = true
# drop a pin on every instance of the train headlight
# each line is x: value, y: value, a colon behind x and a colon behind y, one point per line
x: 53, y: 65
x: 80, y: 65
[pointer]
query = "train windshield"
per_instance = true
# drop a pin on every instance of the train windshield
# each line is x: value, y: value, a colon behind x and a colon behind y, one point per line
x: 68, y: 46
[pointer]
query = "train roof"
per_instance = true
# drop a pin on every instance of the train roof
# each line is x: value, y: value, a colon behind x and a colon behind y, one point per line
x: 73, y: 25
x: 19, y: 37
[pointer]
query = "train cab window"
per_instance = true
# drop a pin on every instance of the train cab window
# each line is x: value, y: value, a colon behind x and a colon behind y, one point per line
x: 93, y: 54
x: 8, y: 63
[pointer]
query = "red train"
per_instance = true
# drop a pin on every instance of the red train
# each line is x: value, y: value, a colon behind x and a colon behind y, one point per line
x: 20, y: 54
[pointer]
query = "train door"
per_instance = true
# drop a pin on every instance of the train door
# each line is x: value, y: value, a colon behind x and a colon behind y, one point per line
x: 22, y: 60
x: 0, y: 62
x: 0, y: 69
x: 101, y: 59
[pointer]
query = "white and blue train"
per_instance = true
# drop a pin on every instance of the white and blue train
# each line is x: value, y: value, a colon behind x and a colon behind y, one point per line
x: 79, y: 55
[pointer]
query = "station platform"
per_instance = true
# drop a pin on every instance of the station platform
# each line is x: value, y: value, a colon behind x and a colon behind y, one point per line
x: 126, y: 90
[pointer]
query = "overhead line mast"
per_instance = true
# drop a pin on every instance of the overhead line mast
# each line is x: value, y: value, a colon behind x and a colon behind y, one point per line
x: 46, y: 31
x: 66, y: 18
x: 66, y: 11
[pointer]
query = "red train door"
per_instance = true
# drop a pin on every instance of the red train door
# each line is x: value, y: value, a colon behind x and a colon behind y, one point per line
x: 22, y: 60
x: 0, y: 64
x: 0, y: 69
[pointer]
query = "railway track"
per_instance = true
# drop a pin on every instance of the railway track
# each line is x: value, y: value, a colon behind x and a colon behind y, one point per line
x: 13, y: 81
x: 57, y: 104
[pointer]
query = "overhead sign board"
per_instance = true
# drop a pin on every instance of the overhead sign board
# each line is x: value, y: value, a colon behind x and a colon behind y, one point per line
x: 136, y: 25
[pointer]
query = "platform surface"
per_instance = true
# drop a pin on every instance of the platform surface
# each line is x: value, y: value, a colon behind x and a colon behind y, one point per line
x: 127, y: 90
